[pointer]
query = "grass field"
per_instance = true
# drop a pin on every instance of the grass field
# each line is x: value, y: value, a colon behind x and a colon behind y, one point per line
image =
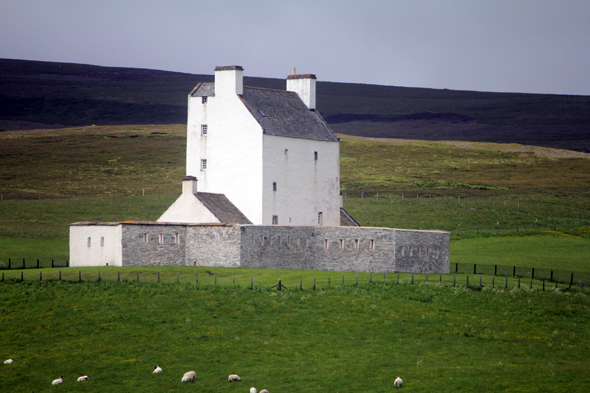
x: 337, y: 339
x: 51, y: 178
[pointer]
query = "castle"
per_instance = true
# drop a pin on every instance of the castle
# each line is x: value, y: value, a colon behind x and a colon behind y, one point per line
x: 262, y: 190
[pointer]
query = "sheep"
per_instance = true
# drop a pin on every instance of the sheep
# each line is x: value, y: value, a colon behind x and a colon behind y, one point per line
x: 58, y: 381
x: 82, y: 378
x: 233, y: 377
x: 189, y: 376
x: 253, y: 390
x: 264, y: 391
x: 157, y: 369
x: 397, y: 383
x: 8, y: 361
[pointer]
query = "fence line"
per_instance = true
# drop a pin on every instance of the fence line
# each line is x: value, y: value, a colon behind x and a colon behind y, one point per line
x: 394, y: 278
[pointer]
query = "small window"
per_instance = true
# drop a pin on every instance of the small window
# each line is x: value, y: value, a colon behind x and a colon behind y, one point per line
x: 176, y: 238
x: 204, y: 129
x: 204, y: 99
x: 403, y: 251
x: 356, y: 244
x: 326, y: 244
x: 102, y: 241
x: 145, y: 237
x: 274, y: 185
x: 203, y: 165
x: 275, y: 220
x: 372, y: 244
x: 320, y: 218
x: 89, y: 242
x: 286, y: 152
x: 315, y: 155
x: 342, y: 244
x: 161, y: 238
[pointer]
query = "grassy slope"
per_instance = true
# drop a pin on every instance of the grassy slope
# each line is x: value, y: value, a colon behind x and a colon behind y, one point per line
x: 125, y: 160
x: 438, y: 339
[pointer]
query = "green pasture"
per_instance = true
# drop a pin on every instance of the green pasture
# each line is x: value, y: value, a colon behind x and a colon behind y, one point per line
x: 438, y: 338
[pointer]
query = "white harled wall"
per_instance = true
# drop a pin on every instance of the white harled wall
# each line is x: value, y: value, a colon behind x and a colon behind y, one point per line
x: 95, y: 253
x: 305, y: 186
x: 232, y: 147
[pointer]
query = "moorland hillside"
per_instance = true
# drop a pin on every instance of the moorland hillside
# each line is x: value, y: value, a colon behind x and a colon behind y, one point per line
x: 36, y: 95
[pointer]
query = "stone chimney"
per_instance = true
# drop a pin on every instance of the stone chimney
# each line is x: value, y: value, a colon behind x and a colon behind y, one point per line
x: 189, y: 185
x: 304, y: 86
x: 229, y: 80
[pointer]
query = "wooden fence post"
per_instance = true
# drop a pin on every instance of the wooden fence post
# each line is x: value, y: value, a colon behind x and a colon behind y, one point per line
x: 137, y: 276
x: 60, y: 275
x: 251, y: 282
x: 480, y: 280
x: 119, y: 276
x: 495, y: 270
x: 79, y: 276
x: 301, y: 284
x: 234, y: 281
x: 531, y: 283
x: 412, y: 278
x: 454, y: 280
x: 9, y: 263
x: 314, y: 284
x: 40, y: 276
x: 357, y: 279
x: 52, y: 265
x: 342, y: 280
x: 370, y: 276
x: 383, y: 277
x: 519, y: 282
x: 493, y: 281
x: 506, y: 284
x: 37, y: 264
x: 196, y: 281
x: 467, y: 281
x: 99, y: 275
x: 474, y: 268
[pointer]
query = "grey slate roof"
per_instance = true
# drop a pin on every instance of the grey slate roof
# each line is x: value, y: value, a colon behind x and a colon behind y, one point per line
x: 222, y: 208
x: 279, y: 113
x: 346, y: 220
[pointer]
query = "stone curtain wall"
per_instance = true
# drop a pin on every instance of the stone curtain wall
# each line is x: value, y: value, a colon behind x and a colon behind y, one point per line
x: 213, y: 246
x: 422, y: 251
x: 344, y: 249
x: 351, y: 249
x: 137, y: 252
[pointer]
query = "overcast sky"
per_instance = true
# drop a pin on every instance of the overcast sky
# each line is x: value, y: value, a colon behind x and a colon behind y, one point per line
x: 532, y: 46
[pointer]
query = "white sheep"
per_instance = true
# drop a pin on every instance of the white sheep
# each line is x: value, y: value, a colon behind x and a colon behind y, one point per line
x: 58, y: 381
x: 233, y: 377
x: 8, y: 361
x: 189, y: 376
x: 264, y: 391
x: 82, y: 378
x: 253, y: 390
x: 157, y: 369
x: 397, y: 383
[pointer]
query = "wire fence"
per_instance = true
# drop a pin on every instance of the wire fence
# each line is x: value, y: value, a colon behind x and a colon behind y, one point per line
x: 6, y: 195
x: 208, y: 279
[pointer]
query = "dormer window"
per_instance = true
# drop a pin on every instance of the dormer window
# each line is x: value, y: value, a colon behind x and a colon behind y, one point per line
x: 203, y: 129
x: 204, y: 99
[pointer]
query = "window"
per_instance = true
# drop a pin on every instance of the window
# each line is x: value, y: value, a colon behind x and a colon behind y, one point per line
x: 342, y: 244
x: 203, y: 165
x: 176, y: 238
x: 145, y: 237
x: 275, y: 220
x: 356, y: 244
x: 372, y: 244
x: 203, y: 129
x: 161, y: 238
x: 89, y: 242
x: 315, y: 155
x: 274, y: 185
x: 326, y: 244
x: 204, y: 99
x: 102, y: 241
x: 287, y: 153
x: 320, y: 218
